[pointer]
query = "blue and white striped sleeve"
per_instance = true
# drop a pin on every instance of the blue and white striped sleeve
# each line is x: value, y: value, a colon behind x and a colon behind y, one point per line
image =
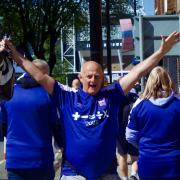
x: 6, y: 71
x: 132, y: 130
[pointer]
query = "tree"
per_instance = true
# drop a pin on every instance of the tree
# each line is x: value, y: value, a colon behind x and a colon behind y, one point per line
x: 38, y: 22
x: 118, y: 9
x: 34, y: 24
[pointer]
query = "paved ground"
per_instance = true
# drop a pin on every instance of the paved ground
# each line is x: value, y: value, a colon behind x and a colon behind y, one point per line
x: 2, y: 163
x: 57, y: 175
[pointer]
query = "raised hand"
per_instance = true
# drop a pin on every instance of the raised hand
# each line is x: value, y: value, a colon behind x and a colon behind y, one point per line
x: 168, y: 42
x: 2, y: 45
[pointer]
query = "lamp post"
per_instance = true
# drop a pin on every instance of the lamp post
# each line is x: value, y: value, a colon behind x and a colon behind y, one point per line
x: 95, y: 31
x: 135, y: 7
x: 108, y: 41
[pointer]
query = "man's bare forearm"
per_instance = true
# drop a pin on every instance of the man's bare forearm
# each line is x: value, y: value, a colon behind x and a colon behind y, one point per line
x: 148, y: 64
x: 145, y: 66
x: 27, y: 66
x: 43, y: 79
x: 140, y: 70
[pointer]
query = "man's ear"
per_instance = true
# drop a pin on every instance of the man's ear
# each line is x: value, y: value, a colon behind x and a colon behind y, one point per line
x: 80, y: 77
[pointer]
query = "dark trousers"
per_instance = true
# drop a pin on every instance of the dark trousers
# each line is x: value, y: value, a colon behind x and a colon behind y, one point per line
x: 30, y: 174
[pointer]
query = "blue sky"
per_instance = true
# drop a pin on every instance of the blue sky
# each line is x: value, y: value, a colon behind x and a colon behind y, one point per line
x: 149, y: 7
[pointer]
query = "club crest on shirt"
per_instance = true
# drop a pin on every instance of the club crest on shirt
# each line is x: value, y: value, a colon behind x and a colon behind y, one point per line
x: 102, y: 102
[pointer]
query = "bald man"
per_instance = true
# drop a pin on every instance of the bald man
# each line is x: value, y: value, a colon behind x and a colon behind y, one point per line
x: 90, y: 113
x: 31, y: 120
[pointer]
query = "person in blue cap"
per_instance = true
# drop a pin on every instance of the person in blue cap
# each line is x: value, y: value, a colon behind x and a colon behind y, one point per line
x: 125, y: 149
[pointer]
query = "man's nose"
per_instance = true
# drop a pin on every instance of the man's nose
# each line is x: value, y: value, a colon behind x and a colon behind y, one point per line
x: 93, y: 78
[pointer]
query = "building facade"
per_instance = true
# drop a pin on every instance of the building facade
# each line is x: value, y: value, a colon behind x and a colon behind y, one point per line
x: 167, y: 7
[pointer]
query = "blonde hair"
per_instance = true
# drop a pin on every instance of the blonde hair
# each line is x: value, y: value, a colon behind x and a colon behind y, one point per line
x: 159, y: 84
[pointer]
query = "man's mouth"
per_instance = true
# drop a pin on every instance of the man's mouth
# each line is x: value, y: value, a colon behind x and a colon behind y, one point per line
x: 92, y: 85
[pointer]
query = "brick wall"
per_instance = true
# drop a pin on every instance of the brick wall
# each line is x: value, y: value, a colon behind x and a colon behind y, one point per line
x: 159, y: 6
x: 173, y: 6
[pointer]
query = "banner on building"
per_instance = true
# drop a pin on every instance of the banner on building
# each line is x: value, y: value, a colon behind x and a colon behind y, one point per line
x: 127, y: 35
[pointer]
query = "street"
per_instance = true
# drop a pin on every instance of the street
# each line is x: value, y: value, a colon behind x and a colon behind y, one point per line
x: 2, y: 163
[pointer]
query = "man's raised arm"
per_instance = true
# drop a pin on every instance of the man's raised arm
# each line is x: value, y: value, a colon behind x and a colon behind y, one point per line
x: 128, y: 81
x: 43, y: 79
